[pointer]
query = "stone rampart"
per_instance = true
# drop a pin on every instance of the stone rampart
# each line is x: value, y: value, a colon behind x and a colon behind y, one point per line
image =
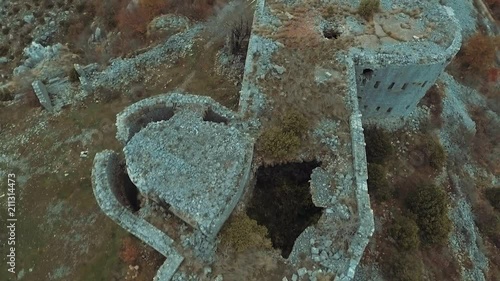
x: 105, y: 171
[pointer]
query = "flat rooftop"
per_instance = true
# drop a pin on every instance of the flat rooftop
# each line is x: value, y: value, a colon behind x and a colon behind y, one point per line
x: 196, y: 167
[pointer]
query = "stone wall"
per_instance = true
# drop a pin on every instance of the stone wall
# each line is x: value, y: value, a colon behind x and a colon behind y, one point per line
x: 135, y: 117
x: 105, y: 172
x: 42, y: 94
x: 366, y: 220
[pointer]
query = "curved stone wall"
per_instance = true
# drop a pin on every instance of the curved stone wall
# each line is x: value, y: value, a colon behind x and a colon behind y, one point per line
x: 135, y: 117
x: 105, y: 184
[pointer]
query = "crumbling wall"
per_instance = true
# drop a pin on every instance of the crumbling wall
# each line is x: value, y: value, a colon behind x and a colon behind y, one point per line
x: 365, y: 213
x: 105, y: 173
x: 138, y: 115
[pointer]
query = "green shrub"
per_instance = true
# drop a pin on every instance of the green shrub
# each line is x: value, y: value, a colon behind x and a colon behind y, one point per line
x: 278, y: 143
x: 493, y: 195
x: 243, y: 233
x: 283, y: 140
x: 378, y: 186
x: 294, y: 122
x: 378, y: 145
x: 404, y: 266
x: 430, y: 206
x: 488, y: 222
x: 404, y: 231
x: 436, y: 153
x: 367, y: 8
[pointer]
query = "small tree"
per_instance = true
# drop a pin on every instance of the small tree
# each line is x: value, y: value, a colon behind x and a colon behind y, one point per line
x: 430, y: 206
x: 238, y: 38
x: 493, y: 195
x: 478, y: 53
x: 404, y: 231
x: 243, y: 233
x: 378, y: 145
x: 435, y: 153
x: 377, y: 182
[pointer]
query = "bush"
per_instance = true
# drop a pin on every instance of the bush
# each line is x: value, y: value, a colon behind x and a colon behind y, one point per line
x: 488, y: 222
x: 404, y: 231
x: 403, y: 266
x: 6, y: 94
x: 478, y: 53
x: 430, y: 206
x: 435, y: 153
x: 238, y: 38
x: 243, y: 233
x: 367, y: 8
x: 493, y: 195
x: 278, y: 143
x: 283, y: 140
x: 378, y: 145
x: 378, y: 186
x: 129, y: 252
x: 295, y: 122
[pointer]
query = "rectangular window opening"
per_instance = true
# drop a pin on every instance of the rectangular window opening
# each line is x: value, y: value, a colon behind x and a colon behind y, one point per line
x: 404, y: 86
x: 376, y: 84
x: 423, y: 85
x: 378, y: 107
x: 389, y: 110
x: 391, y: 86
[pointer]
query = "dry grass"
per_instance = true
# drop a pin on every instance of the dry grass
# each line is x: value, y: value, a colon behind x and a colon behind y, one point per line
x: 478, y: 53
x: 485, y: 145
x: 434, y: 100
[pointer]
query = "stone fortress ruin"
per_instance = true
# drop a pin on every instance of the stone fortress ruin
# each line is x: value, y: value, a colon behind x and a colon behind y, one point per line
x: 193, y: 160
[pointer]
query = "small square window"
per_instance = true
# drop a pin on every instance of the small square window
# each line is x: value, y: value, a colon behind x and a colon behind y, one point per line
x: 405, y: 85
x: 391, y: 86
x: 376, y: 84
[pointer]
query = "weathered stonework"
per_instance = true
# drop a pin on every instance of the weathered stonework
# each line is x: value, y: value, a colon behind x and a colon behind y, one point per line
x: 42, y: 94
x: 367, y: 76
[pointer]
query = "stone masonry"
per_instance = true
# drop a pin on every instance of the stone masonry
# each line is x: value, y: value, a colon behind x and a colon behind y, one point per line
x: 372, y: 70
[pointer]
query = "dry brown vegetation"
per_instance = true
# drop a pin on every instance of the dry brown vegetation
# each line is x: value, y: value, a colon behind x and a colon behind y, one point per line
x: 242, y: 234
x: 494, y: 6
x: 478, y: 53
x: 129, y: 252
x: 485, y: 144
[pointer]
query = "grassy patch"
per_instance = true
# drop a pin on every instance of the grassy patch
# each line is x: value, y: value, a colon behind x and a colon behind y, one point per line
x: 367, y: 8
x: 283, y: 140
x: 243, y: 233
x: 378, y: 186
